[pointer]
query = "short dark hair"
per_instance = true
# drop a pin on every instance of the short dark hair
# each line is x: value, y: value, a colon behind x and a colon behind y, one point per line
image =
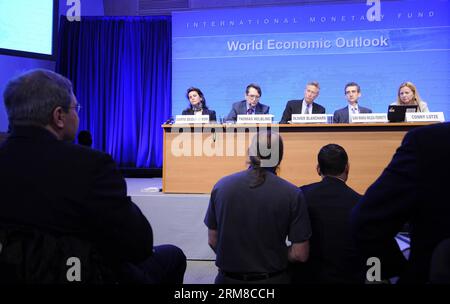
x: 85, y: 138
x: 255, y: 86
x: 352, y: 84
x: 31, y: 97
x: 332, y: 159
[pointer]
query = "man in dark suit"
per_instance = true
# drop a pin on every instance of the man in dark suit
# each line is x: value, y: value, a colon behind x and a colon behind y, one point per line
x: 333, y: 255
x: 250, y: 105
x: 413, y: 188
x: 352, y: 93
x: 305, y: 105
x: 49, y: 184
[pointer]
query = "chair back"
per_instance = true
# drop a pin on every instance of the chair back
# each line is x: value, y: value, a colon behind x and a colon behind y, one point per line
x: 28, y: 255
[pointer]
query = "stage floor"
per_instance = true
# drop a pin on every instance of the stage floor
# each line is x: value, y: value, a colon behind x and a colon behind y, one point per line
x: 175, y: 218
x: 178, y: 218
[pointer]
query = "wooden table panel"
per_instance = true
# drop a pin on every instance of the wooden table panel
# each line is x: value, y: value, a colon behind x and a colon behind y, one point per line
x: 370, y: 148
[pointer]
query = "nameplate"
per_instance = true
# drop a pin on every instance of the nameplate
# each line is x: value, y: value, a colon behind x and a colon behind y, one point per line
x: 255, y: 119
x: 192, y: 119
x: 309, y: 118
x: 423, y: 117
x: 368, y: 118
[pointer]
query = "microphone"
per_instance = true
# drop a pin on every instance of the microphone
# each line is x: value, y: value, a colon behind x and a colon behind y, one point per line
x: 169, y: 121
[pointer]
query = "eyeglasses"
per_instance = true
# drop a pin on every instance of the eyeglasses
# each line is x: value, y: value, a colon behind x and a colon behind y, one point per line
x: 254, y: 96
x: 77, y: 108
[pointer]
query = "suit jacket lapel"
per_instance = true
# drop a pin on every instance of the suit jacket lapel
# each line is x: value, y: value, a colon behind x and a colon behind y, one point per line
x: 243, y: 107
x: 258, y: 109
x: 346, y: 117
x: 301, y: 106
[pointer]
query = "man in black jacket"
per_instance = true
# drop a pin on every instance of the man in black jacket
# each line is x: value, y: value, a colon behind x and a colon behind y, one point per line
x: 49, y: 184
x: 333, y: 256
x: 305, y: 105
x: 412, y: 189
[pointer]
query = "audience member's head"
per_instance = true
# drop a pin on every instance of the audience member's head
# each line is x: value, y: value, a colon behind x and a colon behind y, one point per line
x: 333, y: 161
x: 265, y: 153
x: 43, y: 98
x: 85, y: 138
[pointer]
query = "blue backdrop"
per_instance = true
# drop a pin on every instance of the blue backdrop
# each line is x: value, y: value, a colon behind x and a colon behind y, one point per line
x: 282, y: 48
x: 121, y: 71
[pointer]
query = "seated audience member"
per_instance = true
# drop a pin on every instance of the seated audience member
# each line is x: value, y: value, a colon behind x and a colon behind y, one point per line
x: 197, y: 104
x: 408, y: 95
x: 412, y: 188
x: 52, y: 185
x: 305, y: 105
x: 250, y: 105
x: 333, y: 257
x: 251, y: 213
x: 85, y: 138
x: 352, y: 93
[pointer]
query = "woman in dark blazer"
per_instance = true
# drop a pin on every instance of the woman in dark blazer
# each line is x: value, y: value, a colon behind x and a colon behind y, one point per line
x: 197, y: 104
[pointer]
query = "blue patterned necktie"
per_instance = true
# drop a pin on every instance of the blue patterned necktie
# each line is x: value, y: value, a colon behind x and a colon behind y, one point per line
x: 306, y: 110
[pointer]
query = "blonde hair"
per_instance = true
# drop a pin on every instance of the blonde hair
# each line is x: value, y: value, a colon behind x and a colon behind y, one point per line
x: 417, y: 100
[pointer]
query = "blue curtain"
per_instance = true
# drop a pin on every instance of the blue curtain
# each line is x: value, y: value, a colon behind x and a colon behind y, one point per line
x: 121, y: 71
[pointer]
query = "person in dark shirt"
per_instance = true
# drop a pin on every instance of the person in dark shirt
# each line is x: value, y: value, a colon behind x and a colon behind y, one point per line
x: 251, y: 213
x: 333, y: 255
x: 49, y: 184
x: 412, y: 189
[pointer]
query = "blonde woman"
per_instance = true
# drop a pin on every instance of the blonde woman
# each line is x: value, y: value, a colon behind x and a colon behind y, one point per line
x: 408, y: 95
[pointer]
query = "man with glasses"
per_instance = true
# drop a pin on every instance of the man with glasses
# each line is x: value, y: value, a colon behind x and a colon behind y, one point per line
x: 51, y: 186
x: 352, y: 93
x: 250, y: 105
x: 305, y: 105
